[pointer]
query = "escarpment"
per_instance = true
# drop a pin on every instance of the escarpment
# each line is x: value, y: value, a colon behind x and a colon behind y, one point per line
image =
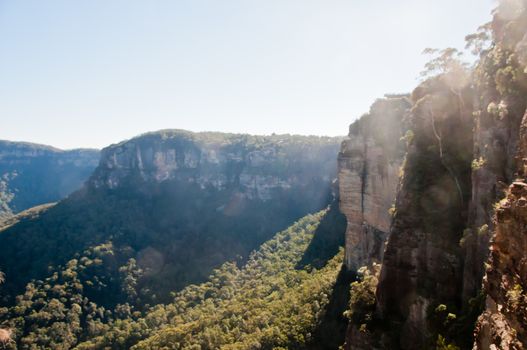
x: 32, y: 174
x: 170, y: 206
x: 369, y: 162
x: 467, y: 153
x: 432, y: 192
x: 256, y: 167
x: 422, y: 263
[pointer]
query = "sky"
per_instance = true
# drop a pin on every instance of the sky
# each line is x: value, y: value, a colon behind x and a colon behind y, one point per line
x: 92, y: 73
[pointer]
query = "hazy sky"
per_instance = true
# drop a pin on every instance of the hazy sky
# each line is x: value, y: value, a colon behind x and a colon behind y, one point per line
x: 92, y: 73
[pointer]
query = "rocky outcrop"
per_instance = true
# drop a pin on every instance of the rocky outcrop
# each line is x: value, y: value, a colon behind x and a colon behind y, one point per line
x: 503, y: 324
x: 422, y: 265
x: 256, y: 166
x: 501, y: 84
x: 468, y: 145
x: 32, y: 174
x: 369, y: 163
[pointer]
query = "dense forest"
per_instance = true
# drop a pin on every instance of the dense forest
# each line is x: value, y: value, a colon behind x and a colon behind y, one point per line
x: 272, y: 301
x: 178, y: 203
x: 183, y: 240
x: 159, y: 213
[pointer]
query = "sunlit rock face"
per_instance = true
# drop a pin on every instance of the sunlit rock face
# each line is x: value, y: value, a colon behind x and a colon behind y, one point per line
x: 498, y: 118
x: 423, y: 262
x: 503, y: 324
x: 255, y: 166
x: 468, y: 152
x: 33, y: 174
x: 369, y: 163
x: 503, y: 145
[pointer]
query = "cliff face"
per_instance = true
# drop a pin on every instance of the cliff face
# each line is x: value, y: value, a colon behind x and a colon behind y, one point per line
x: 501, y: 84
x: 468, y: 145
x: 34, y: 174
x: 504, y: 322
x: 495, y: 144
x: 422, y: 265
x: 257, y: 167
x: 369, y: 163
x: 503, y: 325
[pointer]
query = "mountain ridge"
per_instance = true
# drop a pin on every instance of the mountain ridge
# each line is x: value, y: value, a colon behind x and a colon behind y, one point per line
x: 33, y: 174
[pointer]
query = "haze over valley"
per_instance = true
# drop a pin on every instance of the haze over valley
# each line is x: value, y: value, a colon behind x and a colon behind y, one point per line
x: 408, y: 232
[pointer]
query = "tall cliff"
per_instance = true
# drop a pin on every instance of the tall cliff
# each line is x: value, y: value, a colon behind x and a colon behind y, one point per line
x: 33, y: 174
x: 503, y: 325
x: 467, y: 152
x: 171, y: 206
x: 423, y: 263
x: 501, y: 84
x: 369, y: 163
x: 256, y: 167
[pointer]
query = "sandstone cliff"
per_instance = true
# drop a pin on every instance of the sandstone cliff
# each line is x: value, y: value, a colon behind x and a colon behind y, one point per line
x: 503, y: 325
x: 256, y: 166
x: 422, y: 265
x: 369, y: 163
x: 33, y: 174
x: 466, y: 148
x: 500, y: 84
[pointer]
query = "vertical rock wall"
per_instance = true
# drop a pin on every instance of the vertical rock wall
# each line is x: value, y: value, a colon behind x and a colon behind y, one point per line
x: 468, y: 146
x: 423, y: 263
x: 32, y: 174
x: 503, y: 325
x: 368, y: 169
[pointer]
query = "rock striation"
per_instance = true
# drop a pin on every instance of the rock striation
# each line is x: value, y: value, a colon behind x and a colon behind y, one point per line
x: 256, y: 166
x: 369, y: 163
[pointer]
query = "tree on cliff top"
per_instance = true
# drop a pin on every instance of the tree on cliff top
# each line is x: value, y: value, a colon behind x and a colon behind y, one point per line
x: 443, y: 61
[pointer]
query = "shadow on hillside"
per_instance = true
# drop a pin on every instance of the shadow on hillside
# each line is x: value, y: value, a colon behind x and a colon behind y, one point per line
x: 327, y: 240
x: 331, y: 331
x: 329, y: 237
